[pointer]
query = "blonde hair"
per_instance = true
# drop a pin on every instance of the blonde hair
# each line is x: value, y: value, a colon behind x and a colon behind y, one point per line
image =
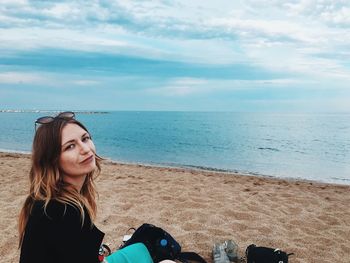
x: 46, y: 182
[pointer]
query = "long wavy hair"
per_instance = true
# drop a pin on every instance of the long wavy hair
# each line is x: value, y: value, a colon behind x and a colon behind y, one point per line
x: 46, y: 181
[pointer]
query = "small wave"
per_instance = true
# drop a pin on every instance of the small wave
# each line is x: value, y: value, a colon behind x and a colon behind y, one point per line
x: 269, y: 149
x: 301, y: 152
x: 267, y: 139
x: 14, y: 151
x: 186, y: 144
x: 206, y: 168
x: 341, y: 179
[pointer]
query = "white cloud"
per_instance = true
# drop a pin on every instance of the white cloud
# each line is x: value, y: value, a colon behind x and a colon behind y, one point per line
x: 180, y: 87
x: 338, y: 17
x: 63, y: 11
x: 74, y: 39
x: 187, y: 87
x: 21, y: 78
x: 275, y: 30
x: 45, y: 78
x: 84, y: 82
x: 328, y: 11
x: 285, y: 36
x: 14, y: 2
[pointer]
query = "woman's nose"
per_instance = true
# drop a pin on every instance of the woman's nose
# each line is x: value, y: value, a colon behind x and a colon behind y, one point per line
x: 84, y: 148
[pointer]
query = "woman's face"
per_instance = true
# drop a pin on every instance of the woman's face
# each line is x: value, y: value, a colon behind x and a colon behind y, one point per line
x: 77, y: 157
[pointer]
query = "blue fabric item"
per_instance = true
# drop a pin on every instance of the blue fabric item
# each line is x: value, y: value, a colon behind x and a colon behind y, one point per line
x: 136, y: 253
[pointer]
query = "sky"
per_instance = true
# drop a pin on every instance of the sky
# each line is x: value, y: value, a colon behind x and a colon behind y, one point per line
x: 198, y: 55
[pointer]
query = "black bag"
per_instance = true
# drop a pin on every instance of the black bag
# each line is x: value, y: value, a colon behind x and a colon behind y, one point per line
x: 160, y: 244
x: 256, y: 254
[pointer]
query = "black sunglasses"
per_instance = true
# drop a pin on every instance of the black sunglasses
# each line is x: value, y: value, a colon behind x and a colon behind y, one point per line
x: 48, y: 119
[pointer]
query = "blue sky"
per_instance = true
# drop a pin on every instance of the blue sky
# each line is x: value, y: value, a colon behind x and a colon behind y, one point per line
x: 252, y: 55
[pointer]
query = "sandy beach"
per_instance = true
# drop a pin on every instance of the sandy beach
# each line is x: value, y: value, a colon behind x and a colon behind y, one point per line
x: 200, y: 208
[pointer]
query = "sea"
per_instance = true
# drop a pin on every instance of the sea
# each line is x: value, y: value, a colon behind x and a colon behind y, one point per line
x: 293, y: 146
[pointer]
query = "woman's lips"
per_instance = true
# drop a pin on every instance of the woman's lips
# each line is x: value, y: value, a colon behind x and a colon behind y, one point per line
x: 88, y: 160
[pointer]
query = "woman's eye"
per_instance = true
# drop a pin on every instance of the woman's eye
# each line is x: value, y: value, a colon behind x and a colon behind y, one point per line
x: 70, y: 146
x: 86, y: 138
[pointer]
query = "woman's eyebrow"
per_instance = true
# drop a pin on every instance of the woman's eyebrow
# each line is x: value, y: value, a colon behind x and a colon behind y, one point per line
x: 84, y: 134
x: 68, y: 142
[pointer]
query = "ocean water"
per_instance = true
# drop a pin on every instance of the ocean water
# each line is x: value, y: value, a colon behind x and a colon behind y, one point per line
x: 303, y: 146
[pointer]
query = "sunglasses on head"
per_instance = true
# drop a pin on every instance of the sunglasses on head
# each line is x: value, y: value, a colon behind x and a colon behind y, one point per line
x: 48, y: 119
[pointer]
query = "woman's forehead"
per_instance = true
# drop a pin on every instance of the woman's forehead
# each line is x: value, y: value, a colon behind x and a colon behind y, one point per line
x: 72, y: 131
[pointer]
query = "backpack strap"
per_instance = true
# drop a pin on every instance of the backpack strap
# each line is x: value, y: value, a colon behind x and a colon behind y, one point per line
x: 192, y: 256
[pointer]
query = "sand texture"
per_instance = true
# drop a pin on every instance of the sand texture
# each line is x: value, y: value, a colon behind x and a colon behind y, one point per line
x: 200, y: 208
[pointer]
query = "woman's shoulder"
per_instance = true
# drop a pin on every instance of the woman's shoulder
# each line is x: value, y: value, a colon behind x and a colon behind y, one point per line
x: 54, y: 210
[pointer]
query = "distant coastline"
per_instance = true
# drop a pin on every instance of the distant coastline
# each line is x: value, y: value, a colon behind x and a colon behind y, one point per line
x: 52, y: 111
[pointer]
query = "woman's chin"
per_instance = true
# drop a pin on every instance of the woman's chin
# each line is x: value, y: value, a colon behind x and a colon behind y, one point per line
x: 89, y: 166
x: 92, y: 167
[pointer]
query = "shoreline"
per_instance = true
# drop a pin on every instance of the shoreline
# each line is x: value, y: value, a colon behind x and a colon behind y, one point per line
x: 200, y: 208
x: 199, y: 169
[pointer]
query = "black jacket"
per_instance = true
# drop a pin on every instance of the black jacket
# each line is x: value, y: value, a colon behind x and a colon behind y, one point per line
x: 58, y: 237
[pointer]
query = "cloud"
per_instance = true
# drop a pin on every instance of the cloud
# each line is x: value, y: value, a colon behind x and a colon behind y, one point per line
x: 337, y: 17
x: 181, y: 87
x: 85, y: 82
x: 255, y: 20
x: 177, y: 48
x: 189, y: 87
x: 96, y: 63
x: 138, y: 25
x: 334, y: 13
x: 46, y: 79
x: 21, y: 78
x: 38, y: 38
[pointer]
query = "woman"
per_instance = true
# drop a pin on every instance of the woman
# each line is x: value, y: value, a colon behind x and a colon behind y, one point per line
x: 56, y: 223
